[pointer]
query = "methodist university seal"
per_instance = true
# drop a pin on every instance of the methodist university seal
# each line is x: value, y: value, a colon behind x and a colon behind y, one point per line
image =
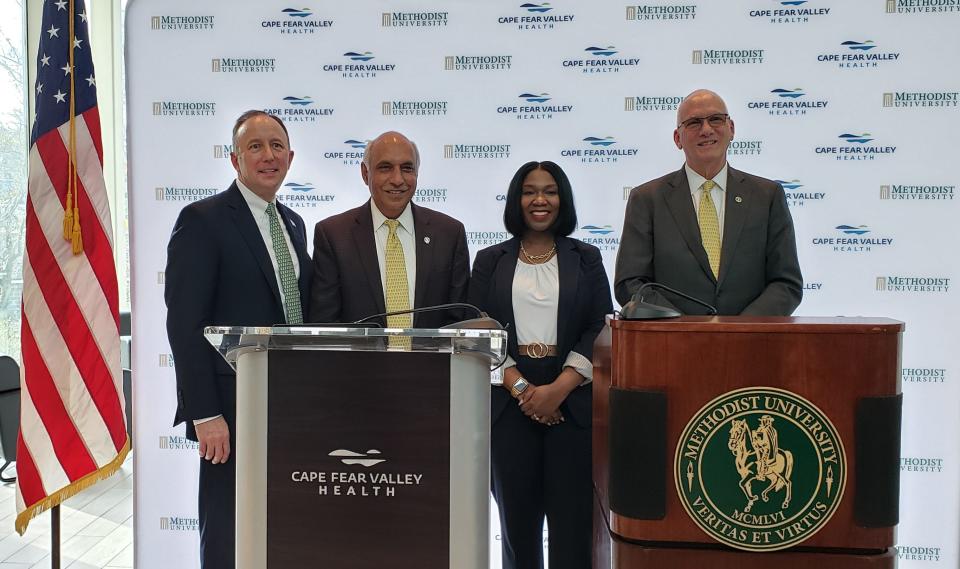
x: 760, y: 469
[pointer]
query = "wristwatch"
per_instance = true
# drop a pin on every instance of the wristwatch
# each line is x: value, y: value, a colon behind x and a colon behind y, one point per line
x: 519, y: 387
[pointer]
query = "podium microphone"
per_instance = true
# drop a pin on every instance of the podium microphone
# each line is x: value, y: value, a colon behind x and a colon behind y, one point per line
x: 482, y: 321
x: 639, y: 309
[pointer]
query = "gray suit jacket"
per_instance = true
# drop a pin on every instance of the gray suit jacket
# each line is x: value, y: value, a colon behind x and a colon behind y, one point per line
x: 759, y: 271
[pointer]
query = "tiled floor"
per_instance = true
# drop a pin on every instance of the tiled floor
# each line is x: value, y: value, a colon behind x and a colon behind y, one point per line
x: 96, y: 528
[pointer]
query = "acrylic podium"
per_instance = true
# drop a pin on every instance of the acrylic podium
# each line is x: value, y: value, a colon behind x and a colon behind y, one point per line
x: 355, y: 453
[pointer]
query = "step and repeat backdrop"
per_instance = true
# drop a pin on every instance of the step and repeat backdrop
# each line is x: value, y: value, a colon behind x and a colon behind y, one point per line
x: 853, y: 106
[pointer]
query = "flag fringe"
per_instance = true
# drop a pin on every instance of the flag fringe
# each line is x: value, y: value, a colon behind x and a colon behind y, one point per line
x: 60, y: 496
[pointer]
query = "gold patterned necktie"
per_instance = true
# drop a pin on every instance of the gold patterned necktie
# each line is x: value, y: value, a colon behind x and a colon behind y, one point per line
x: 398, y: 290
x: 288, y: 275
x: 709, y: 227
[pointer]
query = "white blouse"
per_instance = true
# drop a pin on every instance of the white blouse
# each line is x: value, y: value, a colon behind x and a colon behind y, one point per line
x: 536, y: 297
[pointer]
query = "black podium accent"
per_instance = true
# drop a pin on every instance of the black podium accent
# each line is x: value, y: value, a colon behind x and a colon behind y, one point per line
x: 638, y: 453
x: 877, y: 502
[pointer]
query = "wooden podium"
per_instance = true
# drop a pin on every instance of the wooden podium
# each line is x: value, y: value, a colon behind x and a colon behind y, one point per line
x: 661, y: 384
x: 362, y: 447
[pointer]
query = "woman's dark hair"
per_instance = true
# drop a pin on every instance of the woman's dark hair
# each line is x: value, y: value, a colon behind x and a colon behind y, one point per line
x: 513, y: 214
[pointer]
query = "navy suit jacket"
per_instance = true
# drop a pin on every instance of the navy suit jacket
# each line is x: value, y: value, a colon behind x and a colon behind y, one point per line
x: 219, y: 273
x: 759, y: 270
x: 347, y: 285
x: 584, y: 301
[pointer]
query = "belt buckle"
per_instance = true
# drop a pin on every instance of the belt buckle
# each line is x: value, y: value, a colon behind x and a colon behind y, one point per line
x: 537, y: 350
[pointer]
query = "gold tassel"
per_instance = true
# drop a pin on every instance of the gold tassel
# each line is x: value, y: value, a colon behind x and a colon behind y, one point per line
x: 76, y: 235
x: 68, y: 217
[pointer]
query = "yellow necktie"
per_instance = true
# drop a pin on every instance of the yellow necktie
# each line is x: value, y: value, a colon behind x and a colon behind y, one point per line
x: 709, y: 227
x: 398, y: 295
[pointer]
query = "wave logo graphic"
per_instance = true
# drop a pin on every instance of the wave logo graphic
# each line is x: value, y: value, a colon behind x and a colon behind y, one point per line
x: 789, y: 93
x: 537, y: 8
x: 860, y: 45
x: 861, y: 138
x: 851, y: 230
x: 791, y: 185
x: 349, y: 457
x: 601, y: 51
x: 297, y: 187
x: 361, y: 144
x: 531, y: 98
x: 364, y: 56
x: 791, y: 2
x: 298, y: 13
x: 605, y: 141
x: 598, y: 229
x: 299, y: 101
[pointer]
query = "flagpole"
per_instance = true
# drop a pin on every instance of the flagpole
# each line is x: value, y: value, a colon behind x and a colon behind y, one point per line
x: 55, y: 537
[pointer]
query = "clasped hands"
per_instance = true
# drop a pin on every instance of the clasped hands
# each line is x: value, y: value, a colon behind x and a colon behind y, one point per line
x: 542, y: 403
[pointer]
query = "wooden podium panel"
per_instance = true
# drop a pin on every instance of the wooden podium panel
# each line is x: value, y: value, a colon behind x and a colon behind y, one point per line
x: 835, y: 363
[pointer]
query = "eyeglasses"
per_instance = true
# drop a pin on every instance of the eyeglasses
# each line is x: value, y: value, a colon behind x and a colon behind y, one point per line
x: 696, y: 123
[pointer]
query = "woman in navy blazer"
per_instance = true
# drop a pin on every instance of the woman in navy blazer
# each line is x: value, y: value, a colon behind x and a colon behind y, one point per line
x: 552, y: 292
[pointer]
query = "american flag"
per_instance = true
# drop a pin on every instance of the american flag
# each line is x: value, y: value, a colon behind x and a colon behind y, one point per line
x: 72, y: 425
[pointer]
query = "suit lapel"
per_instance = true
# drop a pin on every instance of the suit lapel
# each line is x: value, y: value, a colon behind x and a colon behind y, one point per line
x: 734, y: 216
x: 367, y: 253
x: 423, y: 240
x: 248, y: 229
x: 503, y: 274
x: 681, y: 208
x: 568, y: 264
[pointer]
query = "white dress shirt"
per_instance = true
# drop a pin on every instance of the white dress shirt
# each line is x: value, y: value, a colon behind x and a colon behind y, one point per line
x: 717, y: 194
x: 405, y: 233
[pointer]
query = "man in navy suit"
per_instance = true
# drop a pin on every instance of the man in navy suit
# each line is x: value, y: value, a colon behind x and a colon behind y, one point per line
x: 349, y: 249
x: 238, y: 258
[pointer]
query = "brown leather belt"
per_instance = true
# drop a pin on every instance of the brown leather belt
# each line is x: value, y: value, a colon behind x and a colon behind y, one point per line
x: 537, y: 350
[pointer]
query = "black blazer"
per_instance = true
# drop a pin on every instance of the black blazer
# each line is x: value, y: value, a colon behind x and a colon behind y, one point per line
x: 219, y: 273
x: 584, y: 301
x: 346, y: 283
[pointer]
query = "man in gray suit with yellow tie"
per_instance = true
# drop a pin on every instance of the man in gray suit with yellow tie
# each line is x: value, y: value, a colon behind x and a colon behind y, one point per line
x: 715, y: 233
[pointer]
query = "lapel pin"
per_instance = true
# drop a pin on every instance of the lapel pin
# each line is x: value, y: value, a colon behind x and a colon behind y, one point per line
x: 738, y: 199
x: 426, y: 240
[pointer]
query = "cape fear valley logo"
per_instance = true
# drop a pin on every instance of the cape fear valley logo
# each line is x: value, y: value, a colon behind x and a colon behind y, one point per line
x: 858, y: 55
x: 424, y: 108
x: 359, y: 65
x: 852, y: 239
x: 790, y: 12
x: 798, y: 194
x: 920, y: 99
x: 414, y: 19
x: 302, y: 194
x: 534, y: 106
x: 728, y: 56
x: 910, y: 192
x: 661, y: 12
x: 477, y: 62
x: 922, y: 6
x: 923, y: 375
x: 181, y: 194
x: 296, y: 21
x: 300, y: 109
x: 184, y: 108
x: 651, y: 103
x: 603, y: 237
x: 602, y: 60
x: 176, y: 442
x: 536, y: 16
x: 175, y: 523
x: 856, y: 147
x: 357, y: 482
x: 918, y: 553
x: 351, y: 155
x: 599, y: 150
x: 190, y: 23
x: 243, y: 65
x: 781, y: 102
x: 430, y: 195
x: 760, y: 469
x: 913, y: 284
x: 476, y: 151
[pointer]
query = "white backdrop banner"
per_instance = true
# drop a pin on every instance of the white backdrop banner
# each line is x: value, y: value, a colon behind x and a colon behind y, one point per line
x: 851, y: 105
